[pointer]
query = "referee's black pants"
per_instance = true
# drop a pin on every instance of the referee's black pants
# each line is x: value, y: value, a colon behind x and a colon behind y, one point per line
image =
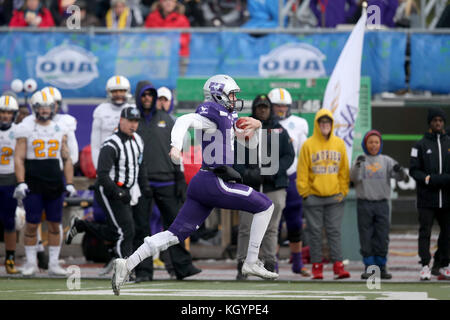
x: 169, y: 205
x: 119, y: 226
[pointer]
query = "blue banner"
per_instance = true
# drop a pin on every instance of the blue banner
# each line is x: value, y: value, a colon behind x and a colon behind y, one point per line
x: 283, y: 55
x: 430, y: 62
x: 80, y: 63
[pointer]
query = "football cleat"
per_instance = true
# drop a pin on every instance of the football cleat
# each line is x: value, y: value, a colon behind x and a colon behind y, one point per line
x: 425, y: 273
x: 10, y: 267
x: 29, y: 270
x: 120, y: 275
x: 56, y: 270
x: 257, y: 269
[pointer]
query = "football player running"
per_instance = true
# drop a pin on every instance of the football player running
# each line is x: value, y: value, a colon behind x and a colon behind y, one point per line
x: 215, y: 185
x: 40, y: 184
x: 8, y: 112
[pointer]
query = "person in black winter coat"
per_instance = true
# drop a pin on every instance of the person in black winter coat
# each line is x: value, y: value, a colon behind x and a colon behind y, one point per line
x: 430, y: 167
x: 165, y: 179
x: 273, y: 185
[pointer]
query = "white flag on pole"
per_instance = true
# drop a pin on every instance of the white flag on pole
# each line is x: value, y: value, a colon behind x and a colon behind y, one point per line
x: 342, y: 92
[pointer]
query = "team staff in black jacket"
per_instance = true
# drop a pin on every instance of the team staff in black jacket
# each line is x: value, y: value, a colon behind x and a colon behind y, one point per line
x: 430, y: 167
x: 121, y: 179
x: 165, y: 179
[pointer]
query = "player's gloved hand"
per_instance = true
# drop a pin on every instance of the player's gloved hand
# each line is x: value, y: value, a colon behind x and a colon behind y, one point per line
x: 71, y: 191
x: 21, y: 191
x: 397, y: 168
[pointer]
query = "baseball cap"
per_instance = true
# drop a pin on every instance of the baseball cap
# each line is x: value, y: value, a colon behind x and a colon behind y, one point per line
x: 165, y: 92
x: 130, y: 113
x: 261, y: 100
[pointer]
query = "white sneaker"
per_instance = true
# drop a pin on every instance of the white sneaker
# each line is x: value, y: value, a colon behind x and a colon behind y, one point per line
x: 29, y: 269
x: 425, y: 273
x: 445, y: 271
x: 56, y: 270
x: 120, y: 275
x: 257, y: 269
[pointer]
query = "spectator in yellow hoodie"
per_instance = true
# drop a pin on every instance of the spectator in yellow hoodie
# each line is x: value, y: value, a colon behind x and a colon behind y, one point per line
x: 323, y: 177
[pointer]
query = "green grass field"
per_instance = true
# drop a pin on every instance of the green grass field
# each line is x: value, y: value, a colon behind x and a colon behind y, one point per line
x: 58, y: 289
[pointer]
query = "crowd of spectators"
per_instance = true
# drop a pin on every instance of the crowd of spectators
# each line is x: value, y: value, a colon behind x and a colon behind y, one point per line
x: 209, y: 13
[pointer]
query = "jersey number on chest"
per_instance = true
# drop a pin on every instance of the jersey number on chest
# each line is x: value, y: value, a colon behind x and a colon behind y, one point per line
x: 6, y: 154
x: 40, y: 147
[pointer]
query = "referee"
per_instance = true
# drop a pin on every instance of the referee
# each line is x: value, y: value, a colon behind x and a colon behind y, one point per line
x: 119, y: 174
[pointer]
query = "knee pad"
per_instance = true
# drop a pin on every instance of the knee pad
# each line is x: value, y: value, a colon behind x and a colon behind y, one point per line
x: 161, y: 241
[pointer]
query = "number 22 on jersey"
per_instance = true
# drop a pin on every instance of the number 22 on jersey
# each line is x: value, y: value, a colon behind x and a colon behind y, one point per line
x: 40, y: 147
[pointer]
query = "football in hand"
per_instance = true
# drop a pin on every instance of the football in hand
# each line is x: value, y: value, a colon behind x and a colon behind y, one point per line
x: 240, y: 123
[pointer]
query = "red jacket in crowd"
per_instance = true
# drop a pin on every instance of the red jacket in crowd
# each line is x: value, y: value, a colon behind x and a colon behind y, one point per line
x: 173, y: 20
x: 18, y: 19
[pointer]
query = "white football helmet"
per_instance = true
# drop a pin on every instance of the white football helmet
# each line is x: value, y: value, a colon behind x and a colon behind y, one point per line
x: 8, y: 103
x: 57, y: 96
x: 42, y: 99
x: 218, y: 87
x: 118, y: 83
x: 281, y: 96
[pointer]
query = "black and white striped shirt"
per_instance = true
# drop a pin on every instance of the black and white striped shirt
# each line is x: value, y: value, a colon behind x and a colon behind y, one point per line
x: 120, y: 160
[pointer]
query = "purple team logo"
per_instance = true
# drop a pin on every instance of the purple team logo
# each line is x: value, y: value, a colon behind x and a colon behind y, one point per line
x: 216, y: 88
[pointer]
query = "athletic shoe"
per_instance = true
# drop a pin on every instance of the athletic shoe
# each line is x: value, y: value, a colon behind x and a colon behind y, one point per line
x: 317, y: 271
x: 158, y: 264
x: 56, y: 270
x: 257, y: 269
x: 120, y: 275
x: 339, y: 271
x: 384, y: 274
x: 445, y: 272
x: 425, y: 273
x: 29, y: 270
x: 72, y: 230
x: 305, y: 272
x: 188, y: 272
x: 10, y: 267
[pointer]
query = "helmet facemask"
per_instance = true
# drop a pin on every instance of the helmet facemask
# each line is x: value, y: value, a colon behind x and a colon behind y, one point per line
x: 40, y: 117
x: 217, y: 94
x: 5, y: 125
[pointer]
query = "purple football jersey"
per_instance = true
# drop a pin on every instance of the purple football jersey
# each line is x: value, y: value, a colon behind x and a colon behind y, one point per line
x: 218, y: 146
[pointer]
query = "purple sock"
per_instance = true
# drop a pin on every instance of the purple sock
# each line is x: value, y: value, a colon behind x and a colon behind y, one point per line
x: 297, y: 263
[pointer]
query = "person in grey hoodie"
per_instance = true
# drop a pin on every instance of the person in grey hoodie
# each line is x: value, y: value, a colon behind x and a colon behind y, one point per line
x: 371, y: 174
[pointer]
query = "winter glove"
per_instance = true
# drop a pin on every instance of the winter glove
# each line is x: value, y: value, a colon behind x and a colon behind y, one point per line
x: 21, y: 191
x: 71, y: 191
x: 252, y: 177
x: 360, y: 159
